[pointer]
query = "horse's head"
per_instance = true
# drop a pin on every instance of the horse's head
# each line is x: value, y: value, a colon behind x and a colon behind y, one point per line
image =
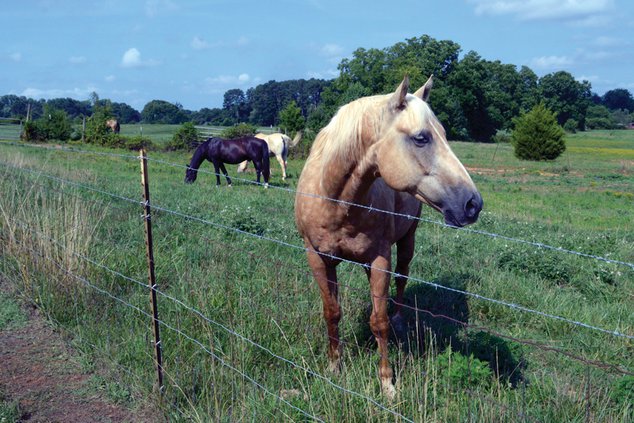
x: 412, y: 155
x: 190, y: 175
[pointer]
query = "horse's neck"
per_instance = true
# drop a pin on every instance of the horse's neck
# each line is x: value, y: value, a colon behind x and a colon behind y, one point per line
x: 348, y: 183
x: 198, y: 157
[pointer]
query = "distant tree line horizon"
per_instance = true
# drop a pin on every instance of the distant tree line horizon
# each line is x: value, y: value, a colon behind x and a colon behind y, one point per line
x: 473, y: 97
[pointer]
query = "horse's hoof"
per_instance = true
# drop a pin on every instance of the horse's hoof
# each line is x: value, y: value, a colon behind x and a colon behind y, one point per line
x: 334, y: 367
x: 388, y: 389
x: 229, y: 185
x: 266, y: 186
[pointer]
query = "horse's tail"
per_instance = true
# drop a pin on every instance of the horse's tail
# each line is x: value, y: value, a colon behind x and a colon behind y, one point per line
x: 296, y: 140
x: 266, y: 162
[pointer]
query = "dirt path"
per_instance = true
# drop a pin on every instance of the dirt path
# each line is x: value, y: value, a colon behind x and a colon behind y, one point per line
x: 38, y: 370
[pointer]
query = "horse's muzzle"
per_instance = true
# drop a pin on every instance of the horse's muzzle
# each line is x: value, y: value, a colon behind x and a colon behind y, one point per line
x: 465, y: 212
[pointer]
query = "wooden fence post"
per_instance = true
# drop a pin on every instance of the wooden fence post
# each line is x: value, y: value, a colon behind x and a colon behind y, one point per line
x: 147, y: 214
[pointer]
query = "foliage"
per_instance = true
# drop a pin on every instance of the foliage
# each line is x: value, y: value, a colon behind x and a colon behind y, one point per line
x: 567, y: 97
x: 52, y: 125
x: 599, y: 117
x: 572, y: 125
x: 186, y: 138
x: 619, y: 98
x: 239, y: 130
x: 236, y: 106
x: 130, y: 143
x: 502, y: 136
x: 159, y: 111
x: 463, y: 371
x: 623, y: 393
x: 291, y: 119
x: 96, y: 130
x: 537, y: 136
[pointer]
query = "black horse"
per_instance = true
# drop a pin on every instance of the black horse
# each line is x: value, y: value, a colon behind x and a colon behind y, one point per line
x: 220, y: 151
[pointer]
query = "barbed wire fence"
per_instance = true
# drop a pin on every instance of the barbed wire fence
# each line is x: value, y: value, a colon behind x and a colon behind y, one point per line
x: 148, y: 207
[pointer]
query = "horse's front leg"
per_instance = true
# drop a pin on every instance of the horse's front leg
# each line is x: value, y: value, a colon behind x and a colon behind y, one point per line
x: 282, y: 163
x: 325, y: 274
x: 217, y: 171
x: 224, y: 172
x: 379, y: 321
x: 404, y: 255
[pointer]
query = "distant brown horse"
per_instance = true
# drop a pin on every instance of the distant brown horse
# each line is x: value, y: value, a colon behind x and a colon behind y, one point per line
x: 113, y: 124
x: 391, y: 153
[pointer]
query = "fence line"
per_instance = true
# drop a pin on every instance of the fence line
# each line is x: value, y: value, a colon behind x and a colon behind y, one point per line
x: 346, y: 203
x: 168, y: 326
x: 528, y: 342
x: 220, y: 325
x: 364, y: 265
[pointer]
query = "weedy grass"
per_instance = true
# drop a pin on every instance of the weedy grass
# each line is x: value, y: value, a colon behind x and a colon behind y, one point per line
x: 236, y: 293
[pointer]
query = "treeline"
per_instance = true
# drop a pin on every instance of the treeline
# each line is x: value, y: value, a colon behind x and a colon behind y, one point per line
x: 473, y: 97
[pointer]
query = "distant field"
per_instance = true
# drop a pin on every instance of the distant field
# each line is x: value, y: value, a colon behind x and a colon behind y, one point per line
x: 162, y: 133
x: 223, y: 263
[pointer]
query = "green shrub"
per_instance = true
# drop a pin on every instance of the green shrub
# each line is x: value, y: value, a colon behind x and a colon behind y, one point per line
x: 571, y: 126
x: 239, y: 130
x: 464, y: 371
x: 537, y: 135
x: 52, y: 125
x: 131, y: 143
x: 502, y: 136
x: 186, y: 138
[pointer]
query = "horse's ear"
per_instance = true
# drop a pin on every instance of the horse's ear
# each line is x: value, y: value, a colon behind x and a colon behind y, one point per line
x: 397, y: 101
x: 423, y: 92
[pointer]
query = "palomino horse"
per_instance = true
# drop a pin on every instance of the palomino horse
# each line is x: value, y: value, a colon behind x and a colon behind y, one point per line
x: 278, y: 146
x: 220, y: 151
x: 391, y: 153
x: 113, y: 124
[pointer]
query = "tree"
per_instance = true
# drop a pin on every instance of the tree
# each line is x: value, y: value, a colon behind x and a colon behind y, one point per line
x: 235, y: 103
x: 185, y: 138
x: 159, y: 111
x: 568, y: 98
x: 598, y: 117
x: 537, y: 135
x: 291, y: 119
x: 619, y: 98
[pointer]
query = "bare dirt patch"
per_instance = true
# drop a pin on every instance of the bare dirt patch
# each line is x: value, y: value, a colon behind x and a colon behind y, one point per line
x: 40, y: 371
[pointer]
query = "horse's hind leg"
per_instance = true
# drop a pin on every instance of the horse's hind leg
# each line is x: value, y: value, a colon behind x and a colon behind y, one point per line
x: 224, y: 172
x: 326, y: 276
x: 282, y: 163
x: 217, y: 170
x: 242, y: 167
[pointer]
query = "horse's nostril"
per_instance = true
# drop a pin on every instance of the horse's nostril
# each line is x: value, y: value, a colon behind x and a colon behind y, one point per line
x: 473, y: 207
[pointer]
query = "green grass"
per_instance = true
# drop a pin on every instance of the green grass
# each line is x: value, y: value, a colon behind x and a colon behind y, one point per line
x: 263, y: 290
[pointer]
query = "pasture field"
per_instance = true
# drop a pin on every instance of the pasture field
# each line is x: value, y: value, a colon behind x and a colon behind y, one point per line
x: 546, y: 337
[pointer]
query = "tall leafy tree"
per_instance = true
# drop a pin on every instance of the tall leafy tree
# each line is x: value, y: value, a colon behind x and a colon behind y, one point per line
x: 619, y: 98
x: 160, y: 111
x: 567, y: 97
x: 291, y: 119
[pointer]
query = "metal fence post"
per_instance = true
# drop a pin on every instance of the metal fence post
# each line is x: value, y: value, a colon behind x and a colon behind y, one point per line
x: 147, y: 218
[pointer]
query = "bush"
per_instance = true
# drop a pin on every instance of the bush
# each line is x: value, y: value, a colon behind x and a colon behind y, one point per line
x: 186, y: 138
x: 462, y: 371
x: 537, y: 136
x: 502, y: 136
x: 52, y: 125
x: 571, y: 126
x: 237, y: 131
x: 131, y: 143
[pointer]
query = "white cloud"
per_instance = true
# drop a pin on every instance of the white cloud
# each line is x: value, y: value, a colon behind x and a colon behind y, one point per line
x: 16, y: 57
x: 199, y: 44
x: 551, y: 62
x: 576, y: 10
x: 77, y: 60
x: 78, y: 93
x: 241, y: 79
x: 331, y: 50
x: 156, y: 7
x: 132, y: 59
x: 110, y: 78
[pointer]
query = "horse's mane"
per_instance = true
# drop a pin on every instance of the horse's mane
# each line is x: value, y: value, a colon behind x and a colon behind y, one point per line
x: 342, y: 139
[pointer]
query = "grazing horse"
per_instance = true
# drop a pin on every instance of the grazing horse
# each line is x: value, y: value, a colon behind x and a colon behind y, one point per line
x: 388, y: 152
x: 278, y: 146
x: 113, y: 124
x: 220, y: 151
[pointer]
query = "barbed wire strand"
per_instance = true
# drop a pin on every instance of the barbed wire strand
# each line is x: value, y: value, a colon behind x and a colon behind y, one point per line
x: 340, y: 259
x: 346, y: 203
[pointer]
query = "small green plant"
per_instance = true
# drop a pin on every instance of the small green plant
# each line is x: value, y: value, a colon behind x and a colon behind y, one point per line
x: 464, y: 371
x: 502, y: 136
x: 239, y: 130
x: 571, y: 126
x: 186, y: 138
x: 537, y: 135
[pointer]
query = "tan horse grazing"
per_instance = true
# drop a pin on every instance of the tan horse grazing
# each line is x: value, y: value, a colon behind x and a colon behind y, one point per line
x: 113, y: 124
x: 391, y: 153
x: 278, y: 146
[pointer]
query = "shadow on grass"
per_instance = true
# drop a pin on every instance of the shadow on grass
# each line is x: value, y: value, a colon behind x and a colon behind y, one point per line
x: 441, y: 316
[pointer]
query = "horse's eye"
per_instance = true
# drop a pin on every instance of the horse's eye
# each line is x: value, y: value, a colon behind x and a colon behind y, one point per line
x: 421, y: 139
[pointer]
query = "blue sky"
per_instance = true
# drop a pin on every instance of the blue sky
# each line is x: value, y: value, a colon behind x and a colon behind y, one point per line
x: 191, y: 52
